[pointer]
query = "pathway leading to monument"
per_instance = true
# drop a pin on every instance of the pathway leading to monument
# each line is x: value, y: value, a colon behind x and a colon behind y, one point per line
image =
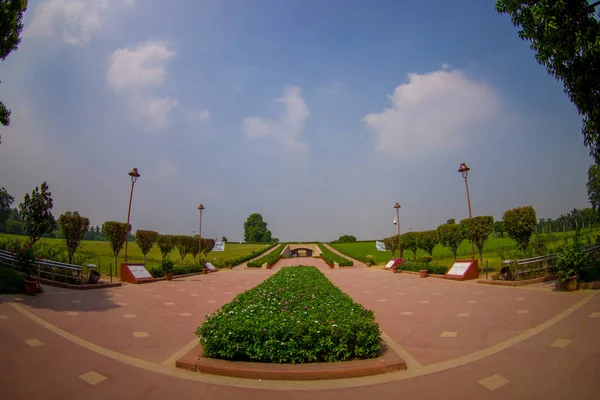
x: 465, y: 340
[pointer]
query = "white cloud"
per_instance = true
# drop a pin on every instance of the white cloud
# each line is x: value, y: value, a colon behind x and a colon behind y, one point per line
x: 287, y: 129
x: 431, y: 111
x: 202, y: 115
x: 133, y: 72
x: 71, y: 21
x: 143, y: 66
x: 155, y: 110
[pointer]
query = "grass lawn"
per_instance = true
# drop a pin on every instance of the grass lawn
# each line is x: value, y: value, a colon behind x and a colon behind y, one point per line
x: 443, y: 256
x: 99, y: 253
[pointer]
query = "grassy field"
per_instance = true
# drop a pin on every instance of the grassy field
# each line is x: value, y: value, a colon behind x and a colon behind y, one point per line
x: 442, y: 256
x: 99, y: 253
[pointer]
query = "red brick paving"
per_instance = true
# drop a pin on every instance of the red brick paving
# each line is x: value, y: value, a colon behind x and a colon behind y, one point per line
x: 534, y: 369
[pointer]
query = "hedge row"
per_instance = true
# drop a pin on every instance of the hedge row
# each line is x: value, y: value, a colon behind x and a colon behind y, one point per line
x: 158, y: 272
x: 329, y: 257
x: 431, y: 269
x: 295, y: 316
x: 270, y: 258
x: 244, y: 258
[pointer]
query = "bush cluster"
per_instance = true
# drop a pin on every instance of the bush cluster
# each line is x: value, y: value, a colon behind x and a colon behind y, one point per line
x: 431, y: 269
x: 159, y: 272
x: 295, y: 316
x: 271, y: 258
x: 329, y: 257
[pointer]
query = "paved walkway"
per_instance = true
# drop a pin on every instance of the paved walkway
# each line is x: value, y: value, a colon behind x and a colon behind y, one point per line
x: 460, y: 340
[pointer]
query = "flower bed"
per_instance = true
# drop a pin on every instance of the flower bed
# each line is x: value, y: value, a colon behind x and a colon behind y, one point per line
x: 270, y: 258
x: 295, y: 316
x: 329, y: 257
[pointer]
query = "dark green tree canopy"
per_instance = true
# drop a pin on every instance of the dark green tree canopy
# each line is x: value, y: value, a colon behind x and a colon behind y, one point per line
x: 478, y: 229
x: 73, y: 227
x: 36, y: 211
x: 11, y: 26
x: 6, y: 201
x: 409, y: 241
x: 451, y: 236
x: 116, y: 233
x: 565, y: 35
x: 255, y: 229
x: 520, y: 223
x: 593, y: 186
x: 347, y: 239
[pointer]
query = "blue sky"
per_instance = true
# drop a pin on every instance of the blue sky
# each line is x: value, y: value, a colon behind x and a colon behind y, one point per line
x: 318, y: 115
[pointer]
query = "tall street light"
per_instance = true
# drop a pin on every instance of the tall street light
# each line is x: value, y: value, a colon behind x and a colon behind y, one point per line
x: 134, y: 175
x: 201, y: 208
x: 397, y: 222
x: 464, y: 170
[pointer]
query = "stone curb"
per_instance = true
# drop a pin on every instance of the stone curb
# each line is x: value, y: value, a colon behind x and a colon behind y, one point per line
x: 194, y: 360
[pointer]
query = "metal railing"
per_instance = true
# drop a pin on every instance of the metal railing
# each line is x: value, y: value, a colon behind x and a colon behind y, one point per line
x: 57, y: 271
x: 544, y: 265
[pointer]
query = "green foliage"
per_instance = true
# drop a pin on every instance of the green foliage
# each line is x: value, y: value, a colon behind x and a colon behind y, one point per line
x: 73, y: 227
x: 11, y: 282
x: 499, y: 228
x: 24, y: 260
x: 329, y: 257
x: 271, y: 258
x: 391, y: 244
x: 565, y: 36
x: 224, y: 239
x: 451, y: 236
x: 207, y: 246
x: 418, y: 266
x: 116, y: 233
x: 520, y: 224
x: 6, y: 201
x: 539, y: 245
x: 369, y: 259
x: 255, y: 229
x: 166, y: 244
x: 295, y: 316
x: 451, y: 221
x: 145, y: 240
x: 427, y: 240
x: 185, y: 245
x: 347, y: 239
x: 478, y: 229
x: 408, y: 241
x: 593, y: 186
x: 11, y: 26
x: 36, y: 211
x: 167, y: 266
x: 571, y: 261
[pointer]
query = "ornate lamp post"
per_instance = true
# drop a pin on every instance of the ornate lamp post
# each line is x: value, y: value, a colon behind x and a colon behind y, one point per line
x: 397, y: 222
x: 134, y: 175
x: 201, y: 208
x: 464, y: 170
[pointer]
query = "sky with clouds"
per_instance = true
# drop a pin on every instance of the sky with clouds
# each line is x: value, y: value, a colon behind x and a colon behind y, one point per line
x: 320, y: 115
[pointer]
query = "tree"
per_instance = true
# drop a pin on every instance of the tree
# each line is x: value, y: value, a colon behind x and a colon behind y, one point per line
x: 224, y: 239
x: 116, y: 233
x: 499, y: 228
x: 391, y: 244
x: 166, y: 244
x: 566, y: 38
x: 185, y: 245
x: 207, y: 246
x: 255, y: 230
x: 520, y: 224
x: 11, y: 26
x: 451, y: 221
x: 427, y: 240
x: 451, y: 236
x: 593, y: 186
x: 6, y: 201
x: 408, y: 241
x: 145, y: 240
x: 478, y: 229
x: 347, y: 239
x: 36, y: 211
x: 73, y: 227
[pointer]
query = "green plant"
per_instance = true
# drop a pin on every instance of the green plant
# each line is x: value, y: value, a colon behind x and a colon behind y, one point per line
x: 73, y: 227
x: 520, y: 223
x: 24, y: 260
x: 167, y: 266
x: 271, y: 258
x: 116, y: 232
x: 409, y: 241
x: 330, y: 257
x: 427, y: 240
x: 295, y: 316
x: 369, y: 259
x: 36, y: 211
x: 478, y: 229
x: 451, y: 236
x: 166, y: 244
x: 145, y: 240
x: 571, y: 261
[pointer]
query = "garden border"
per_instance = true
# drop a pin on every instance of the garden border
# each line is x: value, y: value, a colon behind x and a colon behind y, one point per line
x: 520, y: 283
x: 388, y: 361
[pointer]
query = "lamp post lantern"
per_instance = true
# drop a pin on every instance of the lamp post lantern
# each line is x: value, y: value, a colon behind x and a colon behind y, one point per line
x: 397, y: 222
x: 201, y: 208
x: 464, y: 170
x: 134, y: 175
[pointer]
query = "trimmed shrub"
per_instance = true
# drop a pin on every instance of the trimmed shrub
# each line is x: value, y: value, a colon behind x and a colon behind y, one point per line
x: 295, y: 316
x: 329, y: 257
x: 270, y: 258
